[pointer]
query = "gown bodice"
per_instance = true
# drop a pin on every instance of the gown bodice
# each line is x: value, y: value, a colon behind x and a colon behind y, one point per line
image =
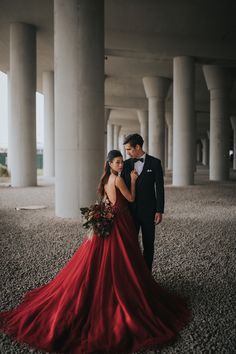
x: 121, y: 203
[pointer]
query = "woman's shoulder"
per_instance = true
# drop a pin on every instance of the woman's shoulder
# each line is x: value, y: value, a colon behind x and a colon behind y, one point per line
x: 119, y: 180
x: 110, y: 181
x: 114, y: 180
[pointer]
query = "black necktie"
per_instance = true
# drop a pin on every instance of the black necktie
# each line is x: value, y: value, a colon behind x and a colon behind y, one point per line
x: 140, y: 159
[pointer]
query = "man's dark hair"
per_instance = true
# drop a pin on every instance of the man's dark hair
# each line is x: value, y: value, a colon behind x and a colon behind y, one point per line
x: 133, y: 140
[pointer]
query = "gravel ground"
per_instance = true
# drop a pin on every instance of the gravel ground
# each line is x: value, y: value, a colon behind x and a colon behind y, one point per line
x: 195, y: 255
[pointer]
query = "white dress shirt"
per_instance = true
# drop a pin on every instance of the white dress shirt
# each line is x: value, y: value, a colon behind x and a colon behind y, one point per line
x: 138, y: 166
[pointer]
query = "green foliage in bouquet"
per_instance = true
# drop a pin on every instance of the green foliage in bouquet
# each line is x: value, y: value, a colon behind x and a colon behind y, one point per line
x: 98, y: 218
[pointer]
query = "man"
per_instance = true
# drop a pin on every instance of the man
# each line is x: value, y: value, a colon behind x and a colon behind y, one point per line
x: 148, y: 206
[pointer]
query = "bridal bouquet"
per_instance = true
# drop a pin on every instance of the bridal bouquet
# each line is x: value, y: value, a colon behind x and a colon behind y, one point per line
x: 98, y: 218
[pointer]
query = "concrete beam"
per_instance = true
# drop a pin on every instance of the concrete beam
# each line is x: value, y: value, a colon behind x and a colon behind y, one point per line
x: 126, y: 102
x: 146, y: 46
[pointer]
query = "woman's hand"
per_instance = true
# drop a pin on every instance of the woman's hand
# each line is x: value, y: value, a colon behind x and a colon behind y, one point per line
x: 133, y: 175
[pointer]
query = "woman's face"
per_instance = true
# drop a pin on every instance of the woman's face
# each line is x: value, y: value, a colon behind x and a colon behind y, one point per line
x: 117, y: 164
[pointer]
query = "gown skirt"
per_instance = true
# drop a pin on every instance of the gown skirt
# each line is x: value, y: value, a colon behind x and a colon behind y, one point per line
x: 104, y: 300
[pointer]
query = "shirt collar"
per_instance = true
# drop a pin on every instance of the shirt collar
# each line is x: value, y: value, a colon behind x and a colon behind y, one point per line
x: 142, y: 157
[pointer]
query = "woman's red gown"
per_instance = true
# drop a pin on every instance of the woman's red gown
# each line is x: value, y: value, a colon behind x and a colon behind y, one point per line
x: 104, y: 300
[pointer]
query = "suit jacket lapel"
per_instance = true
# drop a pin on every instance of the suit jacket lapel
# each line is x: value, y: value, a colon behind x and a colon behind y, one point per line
x: 128, y: 169
x: 146, y: 165
x: 131, y: 164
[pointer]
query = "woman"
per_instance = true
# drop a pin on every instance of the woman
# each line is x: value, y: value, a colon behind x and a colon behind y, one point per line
x: 104, y: 300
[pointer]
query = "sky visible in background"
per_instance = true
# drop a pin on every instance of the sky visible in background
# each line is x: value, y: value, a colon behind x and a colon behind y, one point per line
x: 4, y: 114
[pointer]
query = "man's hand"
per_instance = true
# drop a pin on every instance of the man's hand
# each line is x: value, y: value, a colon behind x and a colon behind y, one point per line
x: 158, y: 218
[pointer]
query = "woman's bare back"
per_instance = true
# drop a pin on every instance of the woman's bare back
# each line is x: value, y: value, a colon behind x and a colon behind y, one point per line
x: 117, y: 181
x: 110, y: 188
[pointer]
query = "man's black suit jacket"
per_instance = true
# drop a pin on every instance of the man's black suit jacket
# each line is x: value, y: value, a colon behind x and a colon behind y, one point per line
x: 149, y: 197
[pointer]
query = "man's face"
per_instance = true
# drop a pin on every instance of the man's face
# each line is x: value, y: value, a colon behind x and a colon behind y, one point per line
x: 132, y: 151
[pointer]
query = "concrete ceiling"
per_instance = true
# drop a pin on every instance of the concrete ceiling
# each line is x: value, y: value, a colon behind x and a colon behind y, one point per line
x: 141, y: 39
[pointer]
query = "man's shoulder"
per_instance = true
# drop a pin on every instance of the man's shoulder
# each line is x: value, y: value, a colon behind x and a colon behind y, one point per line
x: 126, y: 168
x: 127, y: 162
x: 154, y: 159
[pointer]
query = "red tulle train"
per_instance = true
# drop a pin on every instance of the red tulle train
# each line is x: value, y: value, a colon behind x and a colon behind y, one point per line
x: 104, y: 300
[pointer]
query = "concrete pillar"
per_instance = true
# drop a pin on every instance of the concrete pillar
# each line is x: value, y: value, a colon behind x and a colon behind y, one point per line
x: 205, y: 151
x: 183, y: 122
x: 79, y: 102
x: 123, y: 151
x: 116, y: 136
x: 195, y: 143
x: 169, y: 121
x: 49, y: 125
x: 156, y: 89
x: 219, y: 83
x: 107, y: 112
x: 121, y: 145
x: 110, y: 134
x: 9, y: 149
x: 22, y: 122
x: 143, y: 120
x: 199, y: 152
x: 233, y: 123
x: 166, y: 146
